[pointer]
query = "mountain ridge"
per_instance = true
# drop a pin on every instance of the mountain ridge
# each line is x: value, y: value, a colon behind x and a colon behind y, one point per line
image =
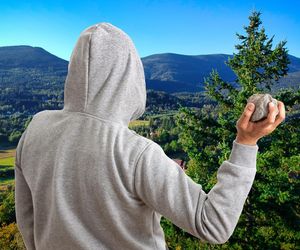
x: 170, y: 72
x: 31, y: 57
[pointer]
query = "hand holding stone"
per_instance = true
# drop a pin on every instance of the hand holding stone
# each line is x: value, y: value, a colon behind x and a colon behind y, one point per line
x: 249, y: 133
x: 261, y: 102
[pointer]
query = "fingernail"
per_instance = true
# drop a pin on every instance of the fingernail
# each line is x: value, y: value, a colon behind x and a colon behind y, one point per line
x: 271, y: 104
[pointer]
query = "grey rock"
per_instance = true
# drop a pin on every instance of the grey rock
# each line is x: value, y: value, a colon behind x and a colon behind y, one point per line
x: 261, y: 102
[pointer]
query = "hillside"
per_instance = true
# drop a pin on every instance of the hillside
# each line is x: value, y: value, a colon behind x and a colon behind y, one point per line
x: 176, y: 73
x: 24, y: 56
x: 32, y: 79
x: 33, y: 67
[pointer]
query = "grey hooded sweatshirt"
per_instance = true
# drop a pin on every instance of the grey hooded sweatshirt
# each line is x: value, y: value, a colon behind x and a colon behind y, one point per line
x: 84, y: 180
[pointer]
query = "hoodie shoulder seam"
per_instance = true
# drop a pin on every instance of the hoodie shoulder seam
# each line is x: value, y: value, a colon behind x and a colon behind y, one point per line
x: 137, y: 161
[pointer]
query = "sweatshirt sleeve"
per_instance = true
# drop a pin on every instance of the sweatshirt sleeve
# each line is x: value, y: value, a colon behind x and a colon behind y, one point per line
x: 23, y: 200
x: 212, y: 217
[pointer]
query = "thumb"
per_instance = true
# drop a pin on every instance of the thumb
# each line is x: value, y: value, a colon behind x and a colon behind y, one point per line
x: 248, y: 111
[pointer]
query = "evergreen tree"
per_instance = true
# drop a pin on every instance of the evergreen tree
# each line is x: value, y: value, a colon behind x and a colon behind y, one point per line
x: 270, y: 219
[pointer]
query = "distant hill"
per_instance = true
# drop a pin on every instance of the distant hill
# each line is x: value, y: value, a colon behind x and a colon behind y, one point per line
x: 294, y: 66
x: 32, y: 79
x: 175, y: 73
x: 24, y: 56
x: 36, y: 68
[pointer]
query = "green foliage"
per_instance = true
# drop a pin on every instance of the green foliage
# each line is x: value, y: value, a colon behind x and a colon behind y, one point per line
x: 7, y: 207
x: 270, y: 218
x: 11, y: 238
x: 176, y: 238
x: 14, y: 136
x: 256, y: 64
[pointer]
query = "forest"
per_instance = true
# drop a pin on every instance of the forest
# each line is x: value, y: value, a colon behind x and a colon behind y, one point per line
x: 198, y: 128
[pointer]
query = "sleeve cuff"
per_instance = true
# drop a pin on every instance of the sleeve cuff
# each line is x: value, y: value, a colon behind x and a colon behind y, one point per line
x: 243, y: 155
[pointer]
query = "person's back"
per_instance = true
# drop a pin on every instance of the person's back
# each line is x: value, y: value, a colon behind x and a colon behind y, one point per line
x: 80, y: 170
x: 84, y: 180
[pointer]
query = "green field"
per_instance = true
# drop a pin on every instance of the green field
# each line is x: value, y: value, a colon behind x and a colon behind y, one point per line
x: 165, y: 114
x: 138, y: 123
x: 7, y: 163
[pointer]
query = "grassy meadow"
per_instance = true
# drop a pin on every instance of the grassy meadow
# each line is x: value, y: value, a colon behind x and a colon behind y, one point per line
x: 7, y: 162
x: 138, y: 123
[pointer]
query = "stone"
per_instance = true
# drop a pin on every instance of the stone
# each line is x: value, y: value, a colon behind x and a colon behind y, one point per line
x: 261, y: 102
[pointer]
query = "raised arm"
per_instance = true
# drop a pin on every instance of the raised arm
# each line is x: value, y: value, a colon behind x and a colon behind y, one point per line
x: 211, y: 217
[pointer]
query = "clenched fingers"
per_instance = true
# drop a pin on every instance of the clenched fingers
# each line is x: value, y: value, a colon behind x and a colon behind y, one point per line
x: 271, y: 115
x: 281, y: 115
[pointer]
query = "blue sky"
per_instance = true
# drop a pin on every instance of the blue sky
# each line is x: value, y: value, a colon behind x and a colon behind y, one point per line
x: 183, y: 27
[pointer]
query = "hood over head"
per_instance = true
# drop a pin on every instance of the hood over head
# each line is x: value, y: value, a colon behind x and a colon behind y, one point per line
x: 106, y: 76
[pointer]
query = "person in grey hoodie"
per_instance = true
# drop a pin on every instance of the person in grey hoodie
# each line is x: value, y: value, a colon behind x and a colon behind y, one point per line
x: 84, y: 180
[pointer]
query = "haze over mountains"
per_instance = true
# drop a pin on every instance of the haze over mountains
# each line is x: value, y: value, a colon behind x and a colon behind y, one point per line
x: 168, y: 72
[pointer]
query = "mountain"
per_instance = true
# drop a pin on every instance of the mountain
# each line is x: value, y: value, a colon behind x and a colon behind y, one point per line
x: 24, y: 56
x: 32, y: 79
x: 294, y: 65
x: 175, y: 73
x: 34, y: 67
